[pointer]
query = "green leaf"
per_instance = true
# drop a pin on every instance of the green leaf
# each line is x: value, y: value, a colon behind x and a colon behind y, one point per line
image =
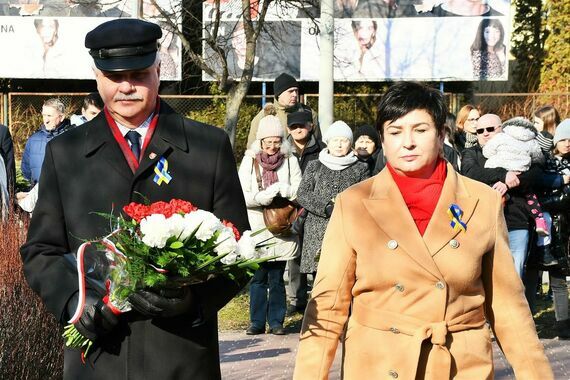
x: 176, y: 245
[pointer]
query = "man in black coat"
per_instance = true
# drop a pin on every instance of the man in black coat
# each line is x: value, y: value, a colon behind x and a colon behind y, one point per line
x: 92, y: 168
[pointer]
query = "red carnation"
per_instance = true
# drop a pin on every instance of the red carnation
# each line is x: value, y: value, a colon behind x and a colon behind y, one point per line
x: 183, y: 207
x: 234, y: 229
x: 163, y: 208
x: 137, y: 211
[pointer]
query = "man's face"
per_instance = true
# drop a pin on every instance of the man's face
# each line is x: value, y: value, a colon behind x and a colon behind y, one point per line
x: 51, y: 117
x: 487, y: 133
x: 300, y: 132
x: 364, y: 146
x: 289, y: 97
x: 90, y: 112
x: 130, y: 96
x: 412, y: 145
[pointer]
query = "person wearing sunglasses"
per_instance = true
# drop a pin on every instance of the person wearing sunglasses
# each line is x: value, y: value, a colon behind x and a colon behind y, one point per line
x: 516, y: 183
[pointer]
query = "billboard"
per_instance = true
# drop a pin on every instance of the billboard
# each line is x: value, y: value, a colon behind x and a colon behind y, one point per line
x: 375, y: 40
x: 49, y: 42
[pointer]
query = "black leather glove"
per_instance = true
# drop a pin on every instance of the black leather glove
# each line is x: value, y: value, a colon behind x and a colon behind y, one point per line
x: 329, y: 209
x: 163, y: 302
x: 97, y: 319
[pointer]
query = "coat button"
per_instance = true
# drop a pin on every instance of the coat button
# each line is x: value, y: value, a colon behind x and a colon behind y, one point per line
x: 454, y: 244
x: 393, y: 373
x: 392, y: 244
x: 394, y: 330
x: 399, y: 287
x: 440, y: 285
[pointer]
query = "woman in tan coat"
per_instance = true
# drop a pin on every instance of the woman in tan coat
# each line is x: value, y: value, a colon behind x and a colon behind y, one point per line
x: 414, y: 262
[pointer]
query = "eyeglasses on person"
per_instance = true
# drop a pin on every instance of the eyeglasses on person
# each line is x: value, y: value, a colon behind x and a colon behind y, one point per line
x: 480, y: 131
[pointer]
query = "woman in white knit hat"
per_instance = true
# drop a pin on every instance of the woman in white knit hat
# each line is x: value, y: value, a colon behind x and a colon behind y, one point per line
x: 279, y: 176
x: 337, y: 169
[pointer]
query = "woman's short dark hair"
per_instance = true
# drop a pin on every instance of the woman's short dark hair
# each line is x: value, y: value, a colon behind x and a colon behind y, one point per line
x: 405, y: 97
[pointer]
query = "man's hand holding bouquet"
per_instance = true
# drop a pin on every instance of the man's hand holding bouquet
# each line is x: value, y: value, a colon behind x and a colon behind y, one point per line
x: 148, y: 263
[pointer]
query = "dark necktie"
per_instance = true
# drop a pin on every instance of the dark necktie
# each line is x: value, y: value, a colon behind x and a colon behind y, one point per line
x: 134, y: 138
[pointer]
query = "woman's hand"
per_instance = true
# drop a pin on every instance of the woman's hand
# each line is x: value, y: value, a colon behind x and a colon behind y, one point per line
x: 285, y: 190
x: 265, y: 197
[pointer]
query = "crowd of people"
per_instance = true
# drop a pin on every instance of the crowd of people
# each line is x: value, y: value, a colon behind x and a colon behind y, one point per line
x: 406, y: 255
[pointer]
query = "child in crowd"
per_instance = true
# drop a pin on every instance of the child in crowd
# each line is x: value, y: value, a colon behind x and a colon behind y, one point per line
x: 515, y: 149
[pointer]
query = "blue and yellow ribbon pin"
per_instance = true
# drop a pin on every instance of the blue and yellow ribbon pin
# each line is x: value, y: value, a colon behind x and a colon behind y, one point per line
x: 455, y: 213
x: 161, y: 170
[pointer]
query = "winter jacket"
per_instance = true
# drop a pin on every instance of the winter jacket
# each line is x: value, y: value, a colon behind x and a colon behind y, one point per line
x: 516, y: 214
x: 557, y: 202
x: 34, y: 151
x: 282, y: 113
x: 314, y: 197
x: 285, y: 247
x: 309, y: 153
x: 514, y: 149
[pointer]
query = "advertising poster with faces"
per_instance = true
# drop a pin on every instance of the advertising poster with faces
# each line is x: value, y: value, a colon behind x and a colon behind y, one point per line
x: 376, y: 40
x: 48, y: 42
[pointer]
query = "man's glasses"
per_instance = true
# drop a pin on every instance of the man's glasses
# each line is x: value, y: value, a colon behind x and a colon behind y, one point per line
x: 297, y: 126
x: 480, y: 131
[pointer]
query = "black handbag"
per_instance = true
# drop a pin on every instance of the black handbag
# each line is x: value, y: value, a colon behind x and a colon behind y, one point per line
x: 298, y: 225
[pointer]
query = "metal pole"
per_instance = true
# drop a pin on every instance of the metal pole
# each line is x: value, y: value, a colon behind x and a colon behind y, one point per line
x: 263, y: 94
x: 326, y: 77
x: 6, y: 116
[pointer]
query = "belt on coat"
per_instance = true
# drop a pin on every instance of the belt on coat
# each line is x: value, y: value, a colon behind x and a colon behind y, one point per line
x: 439, y: 360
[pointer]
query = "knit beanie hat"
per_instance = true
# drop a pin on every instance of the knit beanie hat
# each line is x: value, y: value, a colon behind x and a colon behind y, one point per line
x: 367, y: 130
x: 269, y: 126
x: 520, y: 122
x: 562, y: 132
x: 338, y: 129
x: 282, y: 83
x: 489, y: 120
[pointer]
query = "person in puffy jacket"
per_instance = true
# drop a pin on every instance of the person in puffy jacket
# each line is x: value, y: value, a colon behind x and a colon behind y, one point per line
x: 54, y: 124
x: 269, y: 170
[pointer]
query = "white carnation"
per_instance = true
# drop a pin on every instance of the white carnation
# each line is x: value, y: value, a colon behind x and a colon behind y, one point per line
x: 246, y: 246
x: 176, y: 226
x: 155, y: 230
x: 226, y: 242
x: 207, y: 221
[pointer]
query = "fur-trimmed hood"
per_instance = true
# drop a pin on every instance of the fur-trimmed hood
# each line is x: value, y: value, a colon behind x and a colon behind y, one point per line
x: 520, y: 128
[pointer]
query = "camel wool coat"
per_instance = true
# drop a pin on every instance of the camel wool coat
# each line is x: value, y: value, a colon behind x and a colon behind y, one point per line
x: 416, y: 307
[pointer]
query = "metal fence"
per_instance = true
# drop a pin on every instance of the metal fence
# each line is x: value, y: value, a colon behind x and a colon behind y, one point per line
x: 22, y: 111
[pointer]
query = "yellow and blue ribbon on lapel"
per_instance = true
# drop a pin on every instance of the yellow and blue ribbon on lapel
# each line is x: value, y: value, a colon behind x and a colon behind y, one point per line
x: 161, y: 170
x: 455, y: 213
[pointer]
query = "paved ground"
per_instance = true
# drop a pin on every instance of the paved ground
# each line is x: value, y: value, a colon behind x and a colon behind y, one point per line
x: 272, y: 357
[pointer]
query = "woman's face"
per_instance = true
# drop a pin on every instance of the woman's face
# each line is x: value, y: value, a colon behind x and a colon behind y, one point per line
x: 339, y: 146
x: 412, y: 145
x: 271, y: 145
x: 563, y: 147
x: 365, y: 33
x: 470, y: 124
x: 538, y: 124
x: 47, y: 31
x: 492, y: 35
x: 364, y: 144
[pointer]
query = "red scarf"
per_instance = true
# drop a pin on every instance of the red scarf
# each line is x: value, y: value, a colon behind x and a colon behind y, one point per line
x: 421, y: 195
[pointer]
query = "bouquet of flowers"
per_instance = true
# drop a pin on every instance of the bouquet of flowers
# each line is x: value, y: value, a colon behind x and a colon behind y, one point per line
x: 163, y: 244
